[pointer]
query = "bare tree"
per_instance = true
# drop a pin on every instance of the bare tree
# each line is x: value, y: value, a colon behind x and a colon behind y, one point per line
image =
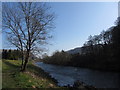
x: 27, y: 25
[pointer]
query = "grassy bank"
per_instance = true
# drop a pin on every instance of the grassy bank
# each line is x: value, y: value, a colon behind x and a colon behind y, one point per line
x: 34, y: 77
x: 0, y: 74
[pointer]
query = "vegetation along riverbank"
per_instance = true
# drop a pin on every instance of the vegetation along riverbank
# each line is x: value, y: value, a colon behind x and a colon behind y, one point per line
x: 33, y: 77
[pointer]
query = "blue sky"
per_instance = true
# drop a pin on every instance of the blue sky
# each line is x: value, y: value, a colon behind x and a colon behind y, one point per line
x: 76, y: 21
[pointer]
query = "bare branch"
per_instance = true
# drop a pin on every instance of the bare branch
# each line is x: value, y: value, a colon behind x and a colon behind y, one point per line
x: 27, y: 25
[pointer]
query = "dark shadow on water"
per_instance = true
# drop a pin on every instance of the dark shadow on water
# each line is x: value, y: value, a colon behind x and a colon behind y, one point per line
x: 38, y: 71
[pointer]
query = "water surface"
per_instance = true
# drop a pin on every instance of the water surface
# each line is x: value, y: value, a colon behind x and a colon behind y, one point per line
x: 67, y: 75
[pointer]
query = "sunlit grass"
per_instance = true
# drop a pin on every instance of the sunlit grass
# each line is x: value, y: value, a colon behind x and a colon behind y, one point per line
x: 0, y: 74
x: 34, y: 77
x: 0, y: 65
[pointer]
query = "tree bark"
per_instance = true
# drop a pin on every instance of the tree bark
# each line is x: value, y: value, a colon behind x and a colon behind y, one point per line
x: 26, y: 61
x: 25, y: 64
x: 22, y: 62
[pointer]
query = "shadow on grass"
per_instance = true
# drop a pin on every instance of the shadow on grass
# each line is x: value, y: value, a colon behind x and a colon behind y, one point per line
x: 33, y: 69
x: 10, y: 64
x: 39, y: 72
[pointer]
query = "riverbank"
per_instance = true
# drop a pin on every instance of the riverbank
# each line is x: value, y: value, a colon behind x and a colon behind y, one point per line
x: 103, y: 68
x: 34, y: 77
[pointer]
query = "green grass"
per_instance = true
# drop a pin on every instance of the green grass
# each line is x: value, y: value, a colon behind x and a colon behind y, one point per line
x: 0, y: 74
x: 34, y: 77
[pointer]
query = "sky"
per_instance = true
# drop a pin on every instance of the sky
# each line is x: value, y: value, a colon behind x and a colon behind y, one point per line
x: 75, y: 21
x: 0, y: 47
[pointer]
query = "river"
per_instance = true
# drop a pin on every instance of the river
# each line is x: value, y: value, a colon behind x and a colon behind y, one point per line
x: 68, y: 75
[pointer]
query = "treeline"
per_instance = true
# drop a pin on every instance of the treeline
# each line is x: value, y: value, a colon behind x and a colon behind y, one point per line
x: 59, y: 58
x: 99, y: 52
x: 11, y: 54
x: 15, y: 54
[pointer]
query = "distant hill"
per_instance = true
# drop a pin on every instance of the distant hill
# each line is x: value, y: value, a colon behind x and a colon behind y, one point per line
x: 74, y: 51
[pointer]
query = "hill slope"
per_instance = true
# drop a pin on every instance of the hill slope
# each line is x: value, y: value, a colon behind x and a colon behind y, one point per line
x: 74, y: 51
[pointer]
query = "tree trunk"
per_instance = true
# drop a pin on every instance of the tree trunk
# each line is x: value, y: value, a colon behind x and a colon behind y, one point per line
x: 22, y: 63
x: 26, y: 61
x: 25, y: 64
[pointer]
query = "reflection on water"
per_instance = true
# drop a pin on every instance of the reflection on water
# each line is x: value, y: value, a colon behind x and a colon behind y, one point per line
x: 67, y: 75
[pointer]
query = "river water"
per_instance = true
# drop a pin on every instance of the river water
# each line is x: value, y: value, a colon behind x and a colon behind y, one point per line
x: 68, y: 75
